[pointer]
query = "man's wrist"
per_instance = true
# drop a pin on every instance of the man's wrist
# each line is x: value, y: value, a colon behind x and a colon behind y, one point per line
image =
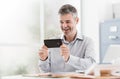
x: 67, y: 59
x: 44, y: 59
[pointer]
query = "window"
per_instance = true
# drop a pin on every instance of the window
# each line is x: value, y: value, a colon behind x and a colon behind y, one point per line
x: 19, y: 36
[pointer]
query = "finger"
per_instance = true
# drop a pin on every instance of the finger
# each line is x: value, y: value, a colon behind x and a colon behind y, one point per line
x: 63, y: 45
x: 63, y: 57
x: 64, y: 49
x: 61, y: 53
x: 41, y: 53
x: 44, y: 47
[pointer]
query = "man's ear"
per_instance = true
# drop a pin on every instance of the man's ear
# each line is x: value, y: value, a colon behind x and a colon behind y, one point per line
x: 77, y: 20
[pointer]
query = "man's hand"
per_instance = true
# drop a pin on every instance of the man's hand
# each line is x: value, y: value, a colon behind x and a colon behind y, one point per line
x: 64, y: 52
x: 43, y: 53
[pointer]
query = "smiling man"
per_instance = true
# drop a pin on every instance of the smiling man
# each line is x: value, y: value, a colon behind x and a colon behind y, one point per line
x: 76, y: 52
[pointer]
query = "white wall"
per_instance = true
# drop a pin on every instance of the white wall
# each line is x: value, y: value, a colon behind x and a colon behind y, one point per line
x: 94, y: 12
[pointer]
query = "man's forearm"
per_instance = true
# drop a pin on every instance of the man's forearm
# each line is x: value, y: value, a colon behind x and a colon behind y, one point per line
x: 80, y: 63
x: 44, y: 65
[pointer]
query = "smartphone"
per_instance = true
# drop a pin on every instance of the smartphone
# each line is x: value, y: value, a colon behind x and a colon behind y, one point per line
x: 53, y: 43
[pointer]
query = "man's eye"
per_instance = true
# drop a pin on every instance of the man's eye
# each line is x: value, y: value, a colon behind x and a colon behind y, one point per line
x: 61, y: 22
x: 68, y: 22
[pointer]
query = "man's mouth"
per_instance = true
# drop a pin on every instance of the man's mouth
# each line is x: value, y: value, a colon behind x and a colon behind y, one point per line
x: 65, y: 29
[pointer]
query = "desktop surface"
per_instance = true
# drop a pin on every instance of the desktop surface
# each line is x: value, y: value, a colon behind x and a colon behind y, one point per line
x: 107, y: 71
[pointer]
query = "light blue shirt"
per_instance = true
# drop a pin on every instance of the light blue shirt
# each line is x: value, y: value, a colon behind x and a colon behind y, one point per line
x: 82, y: 56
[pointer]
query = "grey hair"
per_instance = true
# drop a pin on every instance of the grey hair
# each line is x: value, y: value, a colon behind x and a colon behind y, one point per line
x: 68, y: 9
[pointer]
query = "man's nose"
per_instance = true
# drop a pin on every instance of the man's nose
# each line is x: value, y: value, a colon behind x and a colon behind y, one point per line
x: 64, y: 25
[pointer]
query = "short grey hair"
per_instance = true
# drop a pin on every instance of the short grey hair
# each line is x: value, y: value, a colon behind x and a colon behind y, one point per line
x: 68, y: 9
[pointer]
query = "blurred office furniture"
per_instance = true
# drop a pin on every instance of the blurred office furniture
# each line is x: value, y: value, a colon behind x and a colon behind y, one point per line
x: 107, y: 71
x: 116, y: 10
x: 109, y: 35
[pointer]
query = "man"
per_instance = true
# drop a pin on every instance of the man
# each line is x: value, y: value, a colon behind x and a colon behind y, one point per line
x: 76, y: 52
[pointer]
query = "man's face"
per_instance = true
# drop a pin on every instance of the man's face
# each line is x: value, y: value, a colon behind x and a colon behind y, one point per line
x: 68, y: 24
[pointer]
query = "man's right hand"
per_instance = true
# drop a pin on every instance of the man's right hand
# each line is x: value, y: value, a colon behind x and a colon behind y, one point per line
x: 43, y: 53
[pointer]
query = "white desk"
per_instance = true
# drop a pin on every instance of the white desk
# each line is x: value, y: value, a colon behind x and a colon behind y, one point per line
x: 48, y: 76
x: 21, y: 77
x: 105, y: 71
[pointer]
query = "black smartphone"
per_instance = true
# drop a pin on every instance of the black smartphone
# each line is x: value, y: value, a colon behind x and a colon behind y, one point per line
x: 53, y: 43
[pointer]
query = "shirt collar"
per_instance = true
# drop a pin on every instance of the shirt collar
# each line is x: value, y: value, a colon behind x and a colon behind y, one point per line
x: 78, y: 36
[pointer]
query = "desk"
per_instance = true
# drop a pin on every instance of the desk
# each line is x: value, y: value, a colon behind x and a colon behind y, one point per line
x: 21, y: 77
x: 104, y: 75
x: 56, y: 76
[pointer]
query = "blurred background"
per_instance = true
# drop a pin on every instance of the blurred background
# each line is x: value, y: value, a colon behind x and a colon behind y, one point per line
x: 23, y: 26
x: 25, y: 23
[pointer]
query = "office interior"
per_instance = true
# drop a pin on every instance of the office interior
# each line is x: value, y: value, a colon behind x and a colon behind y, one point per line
x: 24, y: 24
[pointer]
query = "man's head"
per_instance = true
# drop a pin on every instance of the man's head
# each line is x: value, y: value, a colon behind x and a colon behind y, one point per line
x: 68, y: 19
x: 68, y: 9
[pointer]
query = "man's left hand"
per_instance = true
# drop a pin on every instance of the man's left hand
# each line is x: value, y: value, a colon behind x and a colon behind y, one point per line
x: 64, y: 51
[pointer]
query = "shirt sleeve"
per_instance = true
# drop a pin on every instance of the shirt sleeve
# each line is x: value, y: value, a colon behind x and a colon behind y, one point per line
x: 88, y: 59
x: 44, y: 66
